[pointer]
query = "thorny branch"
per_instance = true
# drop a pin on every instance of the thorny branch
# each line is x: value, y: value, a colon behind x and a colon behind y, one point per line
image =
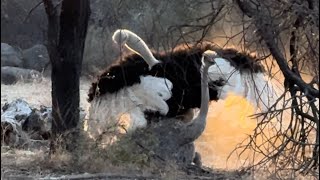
x: 267, y: 33
x: 297, y: 147
x: 30, y: 12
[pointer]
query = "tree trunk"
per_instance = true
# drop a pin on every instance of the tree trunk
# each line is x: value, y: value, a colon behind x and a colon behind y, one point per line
x: 66, y: 37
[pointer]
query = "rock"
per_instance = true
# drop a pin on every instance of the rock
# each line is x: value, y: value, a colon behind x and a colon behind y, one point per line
x: 11, y: 75
x: 18, y: 110
x: 10, y: 56
x: 11, y: 132
x: 36, y: 57
x: 14, y: 114
x: 39, y: 123
x: 26, y: 127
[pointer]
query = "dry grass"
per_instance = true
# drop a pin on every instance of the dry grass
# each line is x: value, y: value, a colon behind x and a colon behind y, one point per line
x: 88, y: 158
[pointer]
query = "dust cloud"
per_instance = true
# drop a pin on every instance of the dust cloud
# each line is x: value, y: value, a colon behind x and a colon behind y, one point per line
x: 228, y: 124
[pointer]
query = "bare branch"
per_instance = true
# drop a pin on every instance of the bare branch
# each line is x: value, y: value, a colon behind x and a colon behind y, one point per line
x: 35, y: 7
x: 266, y: 33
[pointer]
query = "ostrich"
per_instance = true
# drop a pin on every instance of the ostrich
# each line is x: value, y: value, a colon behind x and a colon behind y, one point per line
x: 234, y: 72
x: 175, y: 140
x: 173, y: 88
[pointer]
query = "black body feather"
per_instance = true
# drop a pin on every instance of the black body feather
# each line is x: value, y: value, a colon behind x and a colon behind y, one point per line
x: 181, y: 66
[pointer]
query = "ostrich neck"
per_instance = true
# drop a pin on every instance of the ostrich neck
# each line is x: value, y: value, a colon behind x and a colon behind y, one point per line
x: 204, y: 95
x: 192, y: 131
x: 136, y: 44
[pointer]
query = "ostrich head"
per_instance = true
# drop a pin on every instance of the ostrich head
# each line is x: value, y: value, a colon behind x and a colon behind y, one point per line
x: 120, y: 36
x: 208, y: 58
x: 135, y: 44
x: 223, y: 71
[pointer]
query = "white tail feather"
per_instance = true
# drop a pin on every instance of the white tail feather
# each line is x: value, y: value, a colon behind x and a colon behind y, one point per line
x: 255, y: 87
x: 125, y: 109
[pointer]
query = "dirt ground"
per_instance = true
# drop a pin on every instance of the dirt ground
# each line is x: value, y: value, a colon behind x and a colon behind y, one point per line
x: 35, y: 164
